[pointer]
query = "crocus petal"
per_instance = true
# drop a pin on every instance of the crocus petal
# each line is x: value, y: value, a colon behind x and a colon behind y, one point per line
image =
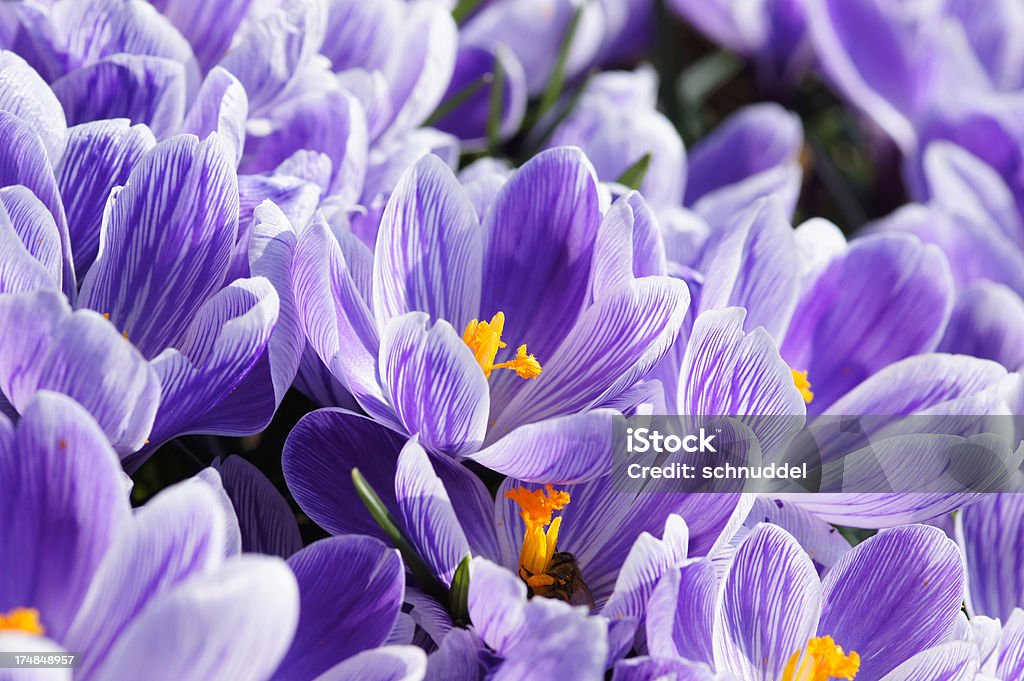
x: 53, y: 542
x: 233, y: 623
x: 754, y: 265
x: 419, y: 77
x: 266, y: 521
x: 337, y: 318
x: 329, y: 121
x: 1011, y: 653
x: 95, y: 29
x: 947, y: 662
x: 143, y: 89
x: 318, y: 459
x: 615, y: 343
x: 350, y: 591
x: 824, y: 544
x: 752, y: 141
x: 889, y: 297
x: 556, y: 641
x: 25, y: 162
x: 140, y: 277
x: 962, y: 184
x: 915, y: 570
x: 388, y: 663
x: 727, y: 372
x: 681, y: 612
x: 985, y: 323
x: 456, y: 658
x: 269, y: 55
x: 179, y: 534
x: 362, y: 34
x: 272, y: 242
x: 497, y: 600
x: 562, y: 450
x: 769, y: 606
x: 989, y: 533
x: 98, y: 157
x: 203, y: 376
x: 232, y: 532
x: 543, y: 635
x: 221, y: 106
x: 30, y: 248
x: 645, y: 564
x: 434, y: 383
x: 428, y: 514
x: 81, y: 355
x: 629, y: 245
x: 884, y: 79
x: 651, y: 669
x: 538, y: 250
x: 615, y: 136
x: 429, y: 248
x: 209, y: 28
x: 25, y: 94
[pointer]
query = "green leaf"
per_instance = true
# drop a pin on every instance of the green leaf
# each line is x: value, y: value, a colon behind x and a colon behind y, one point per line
x: 458, y: 99
x: 633, y: 177
x: 458, y: 606
x: 419, y: 568
x: 557, y: 82
x: 464, y: 9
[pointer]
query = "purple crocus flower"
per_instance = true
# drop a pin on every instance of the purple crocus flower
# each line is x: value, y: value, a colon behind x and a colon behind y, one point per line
x: 798, y: 343
x: 989, y: 534
x: 770, y: 33
x: 932, y: 71
x: 145, y: 594
x: 972, y: 215
x: 771, y: 617
x: 200, y: 345
x: 999, y: 646
x: 350, y: 626
x: 539, y: 637
x: 448, y: 514
x: 615, y: 122
x: 416, y: 330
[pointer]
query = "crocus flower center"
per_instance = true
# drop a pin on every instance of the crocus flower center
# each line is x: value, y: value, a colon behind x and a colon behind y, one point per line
x: 803, y: 385
x: 820, y: 661
x: 541, y: 536
x: 484, y: 339
x: 25, y: 620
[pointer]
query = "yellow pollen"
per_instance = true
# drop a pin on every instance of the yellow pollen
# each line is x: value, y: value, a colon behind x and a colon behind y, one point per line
x: 22, y: 619
x: 125, y: 334
x: 822, y: 660
x: 536, y: 507
x: 106, y: 315
x: 484, y: 339
x: 803, y: 385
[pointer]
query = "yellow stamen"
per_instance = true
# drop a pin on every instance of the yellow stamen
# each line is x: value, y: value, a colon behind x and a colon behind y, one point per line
x: 822, y: 660
x: 803, y: 385
x: 106, y: 315
x: 484, y: 339
x: 25, y: 620
x: 536, y: 507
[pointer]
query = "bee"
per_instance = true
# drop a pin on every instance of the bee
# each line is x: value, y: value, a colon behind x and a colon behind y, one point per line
x: 568, y: 584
